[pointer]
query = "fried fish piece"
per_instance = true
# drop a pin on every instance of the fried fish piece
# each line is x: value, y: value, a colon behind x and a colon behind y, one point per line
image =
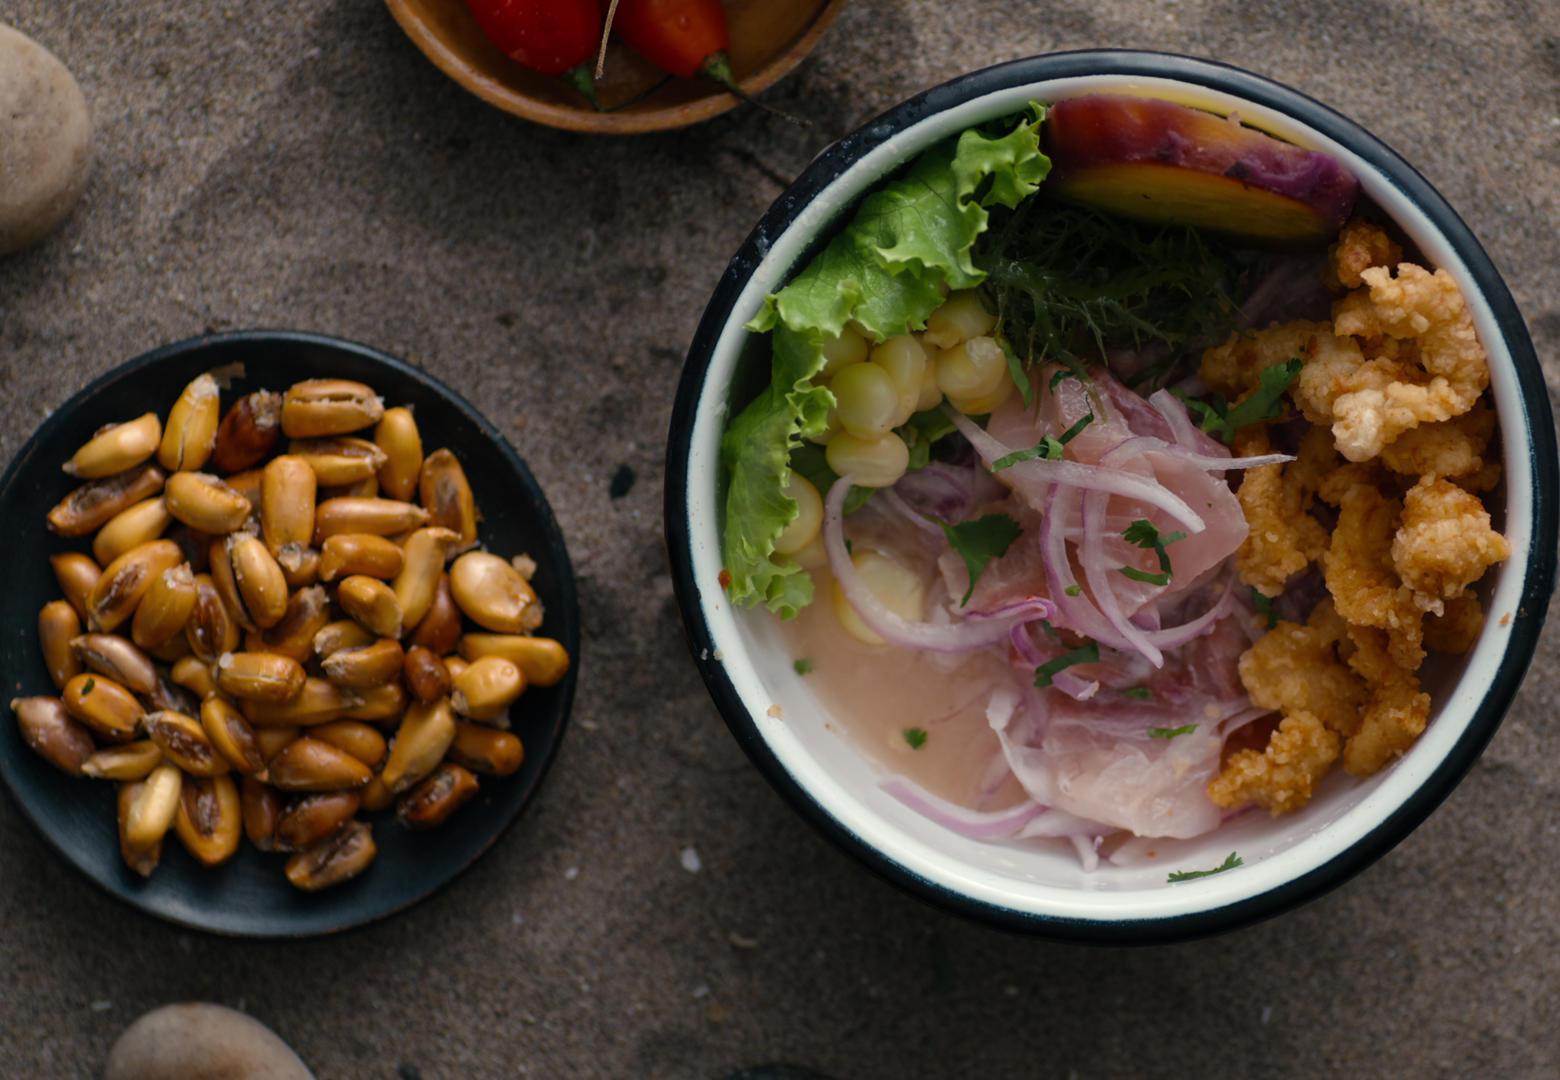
x: 1282, y: 776
x: 1276, y: 499
x: 1373, y: 409
x: 1395, y: 713
x: 1360, y: 246
x: 1451, y: 448
x: 1358, y: 564
x: 1295, y: 668
x: 1445, y: 542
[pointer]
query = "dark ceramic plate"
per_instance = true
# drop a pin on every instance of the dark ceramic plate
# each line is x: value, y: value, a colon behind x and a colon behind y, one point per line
x: 249, y: 896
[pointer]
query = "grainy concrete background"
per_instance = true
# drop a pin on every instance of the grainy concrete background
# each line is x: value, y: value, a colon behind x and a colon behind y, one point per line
x: 301, y: 165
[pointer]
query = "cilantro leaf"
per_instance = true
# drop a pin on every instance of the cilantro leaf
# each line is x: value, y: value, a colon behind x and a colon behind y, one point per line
x: 803, y: 666
x: 1230, y: 863
x: 1171, y: 732
x: 1218, y: 417
x: 915, y: 736
x: 1263, y: 605
x: 1084, y: 654
x: 1049, y: 448
x: 1143, y: 534
x: 980, y: 541
x: 1074, y: 589
x: 1016, y: 371
x: 920, y: 432
x: 1266, y: 401
x: 1141, y: 693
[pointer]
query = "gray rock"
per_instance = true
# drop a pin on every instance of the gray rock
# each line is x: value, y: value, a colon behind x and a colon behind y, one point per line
x: 198, y: 1041
x: 45, y: 141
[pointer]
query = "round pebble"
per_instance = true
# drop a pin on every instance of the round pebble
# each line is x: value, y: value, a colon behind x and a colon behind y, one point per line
x: 45, y: 141
x: 197, y: 1039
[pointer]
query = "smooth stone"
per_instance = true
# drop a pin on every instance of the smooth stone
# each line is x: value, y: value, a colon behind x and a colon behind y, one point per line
x: 45, y: 141
x: 195, y: 1040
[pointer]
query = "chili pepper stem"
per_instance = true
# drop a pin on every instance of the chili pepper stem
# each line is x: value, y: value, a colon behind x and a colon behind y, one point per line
x: 717, y: 68
x: 580, y: 78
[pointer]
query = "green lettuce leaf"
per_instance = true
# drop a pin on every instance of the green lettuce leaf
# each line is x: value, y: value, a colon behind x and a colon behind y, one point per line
x: 887, y: 271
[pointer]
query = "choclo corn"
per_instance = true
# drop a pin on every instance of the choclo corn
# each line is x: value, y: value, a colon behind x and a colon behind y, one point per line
x: 209, y: 569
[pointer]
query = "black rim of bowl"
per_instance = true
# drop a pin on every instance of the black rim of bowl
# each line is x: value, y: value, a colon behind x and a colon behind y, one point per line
x: 554, y: 560
x: 1539, y: 571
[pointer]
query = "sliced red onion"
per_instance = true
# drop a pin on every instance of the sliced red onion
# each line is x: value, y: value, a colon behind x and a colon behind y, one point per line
x: 908, y: 512
x: 1061, y: 823
x: 1237, y: 720
x: 1173, y: 409
x: 974, y: 824
x: 971, y: 633
x: 1079, y: 689
x: 1091, y: 557
x: 1175, y: 636
x: 1034, y: 478
x: 1074, y: 612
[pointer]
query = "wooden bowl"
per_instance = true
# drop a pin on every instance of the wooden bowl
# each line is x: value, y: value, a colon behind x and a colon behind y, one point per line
x: 768, y: 39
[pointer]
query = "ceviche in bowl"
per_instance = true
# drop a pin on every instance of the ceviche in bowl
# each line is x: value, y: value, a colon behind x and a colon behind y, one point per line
x: 1114, y: 495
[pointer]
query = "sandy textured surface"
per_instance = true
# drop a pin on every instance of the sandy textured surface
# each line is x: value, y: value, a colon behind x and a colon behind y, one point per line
x: 301, y: 165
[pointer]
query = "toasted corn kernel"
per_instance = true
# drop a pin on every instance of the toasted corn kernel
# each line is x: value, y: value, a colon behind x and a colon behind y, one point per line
x: 194, y: 675
x: 58, y: 626
x: 376, y: 796
x: 206, y: 502
x: 248, y: 432
x: 319, y: 702
x: 418, y: 580
x: 104, y: 706
x: 371, y: 603
x: 439, y: 630
x: 338, y: 461
x: 317, y: 407
x: 220, y: 562
x: 493, y: 594
x: 287, y: 508
x: 231, y: 735
x: 486, y: 688
x: 96, y: 501
x: 114, y: 598
x: 272, y: 740
x: 172, y: 697
x: 256, y: 676
x: 191, y: 433
x: 365, y: 666
x: 211, y: 629
x: 308, y: 612
x: 426, y: 676
x: 183, y: 741
x: 50, y: 730
x: 430, y: 803
x: 398, y: 437
x: 378, y: 704
x: 261, y: 806
x: 150, y: 810
x: 165, y: 609
x: 344, y: 855
x: 210, y: 819
x: 341, y: 634
x: 455, y: 665
x: 442, y: 488
x: 119, y: 659
x: 132, y: 761
x: 195, y: 545
x: 356, y: 738
x: 77, y: 574
x: 381, y: 517
x: 251, y: 485
x: 131, y: 527
x: 261, y: 585
x: 304, y: 569
x: 310, y: 764
x: 143, y: 860
x: 543, y: 660
x: 312, y: 818
x: 425, y: 733
x: 175, y: 648
x: 116, y: 448
x: 360, y: 553
x: 484, y: 750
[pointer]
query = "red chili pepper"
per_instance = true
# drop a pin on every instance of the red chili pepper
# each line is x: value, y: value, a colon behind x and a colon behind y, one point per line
x: 684, y: 37
x: 552, y: 37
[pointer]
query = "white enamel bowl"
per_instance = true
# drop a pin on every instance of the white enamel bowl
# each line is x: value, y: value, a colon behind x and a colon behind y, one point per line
x: 1042, y: 888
